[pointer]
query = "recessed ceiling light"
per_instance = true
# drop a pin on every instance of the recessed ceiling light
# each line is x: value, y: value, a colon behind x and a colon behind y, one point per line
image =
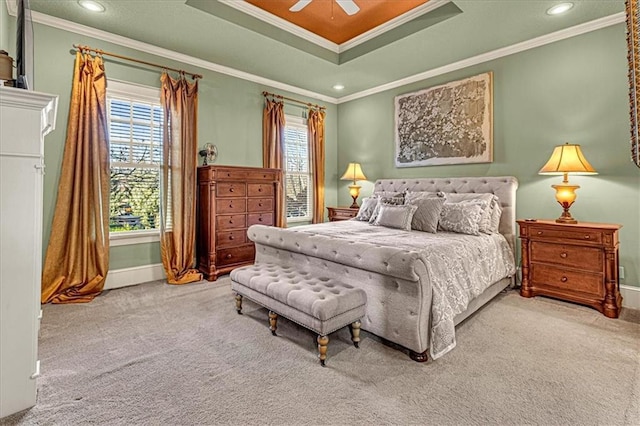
x: 91, y: 5
x: 338, y: 86
x: 559, y: 8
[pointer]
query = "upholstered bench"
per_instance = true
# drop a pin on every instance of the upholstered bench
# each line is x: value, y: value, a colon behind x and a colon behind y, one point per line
x: 320, y: 304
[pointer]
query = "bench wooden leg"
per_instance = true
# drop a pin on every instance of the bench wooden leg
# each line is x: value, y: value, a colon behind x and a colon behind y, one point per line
x: 355, y: 333
x: 273, y: 322
x: 323, y: 341
x: 239, y: 304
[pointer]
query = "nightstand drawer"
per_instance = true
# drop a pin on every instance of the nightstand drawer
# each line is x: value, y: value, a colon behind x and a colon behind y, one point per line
x: 586, y: 258
x: 562, y: 279
x: 567, y: 234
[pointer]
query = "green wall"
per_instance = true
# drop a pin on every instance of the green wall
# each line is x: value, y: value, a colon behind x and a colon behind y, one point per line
x: 4, y: 29
x: 230, y: 116
x: 573, y: 90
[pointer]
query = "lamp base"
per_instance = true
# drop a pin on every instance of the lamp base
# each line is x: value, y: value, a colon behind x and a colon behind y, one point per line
x: 355, y: 203
x: 566, y: 216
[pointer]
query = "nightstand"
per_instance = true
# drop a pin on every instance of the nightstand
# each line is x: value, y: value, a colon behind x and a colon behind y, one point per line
x: 573, y: 262
x: 341, y: 213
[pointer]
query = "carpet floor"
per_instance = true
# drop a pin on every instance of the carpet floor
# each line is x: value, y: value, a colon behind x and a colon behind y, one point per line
x: 156, y: 354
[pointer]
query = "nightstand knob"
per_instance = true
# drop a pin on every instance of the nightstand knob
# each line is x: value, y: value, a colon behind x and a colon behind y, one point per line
x: 586, y: 237
x: 563, y: 255
x: 229, y: 256
x: 231, y: 237
x: 230, y: 189
x: 539, y: 232
x: 564, y: 279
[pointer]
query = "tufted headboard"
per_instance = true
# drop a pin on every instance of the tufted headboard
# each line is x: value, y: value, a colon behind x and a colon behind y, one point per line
x: 504, y: 187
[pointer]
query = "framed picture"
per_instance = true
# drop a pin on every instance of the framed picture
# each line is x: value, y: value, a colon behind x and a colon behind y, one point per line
x: 633, y: 44
x: 447, y: 124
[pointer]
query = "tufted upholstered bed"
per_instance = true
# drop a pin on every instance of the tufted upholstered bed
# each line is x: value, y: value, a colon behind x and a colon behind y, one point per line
x: 406, y: 274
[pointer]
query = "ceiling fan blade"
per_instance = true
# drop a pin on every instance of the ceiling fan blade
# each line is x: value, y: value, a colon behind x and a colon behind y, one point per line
x: 349, y: 6
x: 299, y: 6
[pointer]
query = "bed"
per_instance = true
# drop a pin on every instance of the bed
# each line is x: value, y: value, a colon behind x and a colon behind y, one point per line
x: 419, y: 285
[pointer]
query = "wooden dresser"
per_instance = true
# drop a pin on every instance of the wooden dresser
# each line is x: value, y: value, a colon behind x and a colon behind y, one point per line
x: 230, y: 199
x: 341, y: 213
x: 572, y: 262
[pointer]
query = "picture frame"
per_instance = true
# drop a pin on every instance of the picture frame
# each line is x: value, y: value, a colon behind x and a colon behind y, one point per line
x: 633, y: 55
x: 447, y: 124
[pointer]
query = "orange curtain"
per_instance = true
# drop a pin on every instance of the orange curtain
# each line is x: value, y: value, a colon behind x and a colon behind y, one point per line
x: 273, y: 122
x: 315, y: 122
x: 77, y: 259
x: 179, y: 100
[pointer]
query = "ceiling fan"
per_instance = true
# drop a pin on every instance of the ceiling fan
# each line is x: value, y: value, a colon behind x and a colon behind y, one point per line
x: 349, y: 6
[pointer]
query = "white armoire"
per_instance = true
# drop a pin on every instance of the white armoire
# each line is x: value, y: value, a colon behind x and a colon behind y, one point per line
x: 25, y: 118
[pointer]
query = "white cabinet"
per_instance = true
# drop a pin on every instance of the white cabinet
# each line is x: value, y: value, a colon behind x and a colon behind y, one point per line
x: 25, y: 118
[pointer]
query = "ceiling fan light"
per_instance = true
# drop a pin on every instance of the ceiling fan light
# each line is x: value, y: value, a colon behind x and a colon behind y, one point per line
x: 559, y: 8
x: 338, y: 86
x: 91, y: 5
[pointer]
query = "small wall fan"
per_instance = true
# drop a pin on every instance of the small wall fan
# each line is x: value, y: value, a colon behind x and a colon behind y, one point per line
x: 349, y: 6
x: 208, y: 153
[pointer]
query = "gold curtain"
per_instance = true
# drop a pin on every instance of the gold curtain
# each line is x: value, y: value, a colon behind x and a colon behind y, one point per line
x: 273, y: 122
x: 77, y: 259
x: 179, y: 100
x: 315, y: 123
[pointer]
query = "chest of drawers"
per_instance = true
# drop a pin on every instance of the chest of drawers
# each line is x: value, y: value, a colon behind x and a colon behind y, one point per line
x: 572, y: 262
x: 230, y: 199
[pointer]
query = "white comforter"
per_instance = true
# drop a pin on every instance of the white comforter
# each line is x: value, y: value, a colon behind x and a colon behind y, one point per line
x: 458, y: 267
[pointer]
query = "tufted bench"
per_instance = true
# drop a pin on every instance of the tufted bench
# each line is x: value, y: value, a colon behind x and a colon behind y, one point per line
x: 322, y: 305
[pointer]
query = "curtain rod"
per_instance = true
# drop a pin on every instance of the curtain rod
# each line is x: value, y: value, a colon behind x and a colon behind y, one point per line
x: 127, y: 58
x: 265, y: 94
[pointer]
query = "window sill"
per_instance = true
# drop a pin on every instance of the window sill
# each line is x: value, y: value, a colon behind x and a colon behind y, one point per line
x: 299, y: 220
x: 133, y: 237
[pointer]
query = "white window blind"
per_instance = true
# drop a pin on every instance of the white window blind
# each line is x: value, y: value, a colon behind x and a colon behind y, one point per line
x: 298, y: 171
x: 135, y: 138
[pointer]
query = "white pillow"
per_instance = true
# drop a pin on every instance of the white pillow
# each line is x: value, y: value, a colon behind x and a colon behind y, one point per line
x: 367, y: 208
x: 393, y: 216
x: 488, y: 203
x: 463, y: 218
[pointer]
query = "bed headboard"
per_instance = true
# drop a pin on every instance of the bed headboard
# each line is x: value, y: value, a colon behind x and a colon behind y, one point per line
x: 504, y: 187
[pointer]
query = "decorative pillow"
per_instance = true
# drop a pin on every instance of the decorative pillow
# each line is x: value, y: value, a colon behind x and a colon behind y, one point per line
x: 488, y: 202
x: 393, y: 216
x: 463, y: 218
x: 495, y: 218
x: 427, y: 214
x: 412, y: 196
x: 367, y: 208
x: 394, y: 199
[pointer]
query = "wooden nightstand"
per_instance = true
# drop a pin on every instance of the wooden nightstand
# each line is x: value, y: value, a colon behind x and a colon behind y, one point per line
x: 572, y: 262
x: 341, y: 213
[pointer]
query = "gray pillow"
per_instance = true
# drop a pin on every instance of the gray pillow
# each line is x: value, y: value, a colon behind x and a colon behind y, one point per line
x: 393, y: 216
x: 427, y: 214
x: 488, y: 202
x: 495, y: 218
x: 463, y: 218
x: 367, y: 207
x: 390, y: 199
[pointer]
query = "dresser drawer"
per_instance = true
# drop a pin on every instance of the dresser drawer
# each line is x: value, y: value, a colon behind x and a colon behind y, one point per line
x: 571, y: 281
x: 231, y: 189
x: 567, y: 234
x: 231, y: 222
x: 260, y: 219
x: 260, y: 189
x: 230, y: 238
x: 233, y: 255
x: 260, y: 204
x: 586, y: 258
x: 231, y: 205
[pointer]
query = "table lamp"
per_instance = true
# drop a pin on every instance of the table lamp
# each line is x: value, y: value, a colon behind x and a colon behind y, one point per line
x: 567, y: 159
x: 354, y: 173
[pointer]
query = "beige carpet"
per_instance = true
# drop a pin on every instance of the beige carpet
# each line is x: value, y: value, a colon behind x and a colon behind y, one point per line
x: 156, y: 354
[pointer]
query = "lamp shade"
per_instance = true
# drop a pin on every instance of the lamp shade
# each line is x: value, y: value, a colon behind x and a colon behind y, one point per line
x: 354, y: 173
x: 567, y: 158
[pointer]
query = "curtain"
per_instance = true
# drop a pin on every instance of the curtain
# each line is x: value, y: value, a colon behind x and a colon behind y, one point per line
x: 315, y: 122
x: 273, y: 148
x: 77, y: 259
x: 179, y: 100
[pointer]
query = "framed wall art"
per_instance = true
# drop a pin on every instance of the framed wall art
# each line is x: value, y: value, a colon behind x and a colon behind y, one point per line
x: 447, y: 124
x: 633, y: 43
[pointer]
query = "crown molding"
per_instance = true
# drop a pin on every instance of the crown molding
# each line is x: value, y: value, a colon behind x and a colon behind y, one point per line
x: 12, y: 7
x: 495, y: 54
x: 283, y: 24
x: 95, y: 33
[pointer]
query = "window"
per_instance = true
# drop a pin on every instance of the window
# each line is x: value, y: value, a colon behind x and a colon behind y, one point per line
x: 298, y: 177
x: 135, y: 138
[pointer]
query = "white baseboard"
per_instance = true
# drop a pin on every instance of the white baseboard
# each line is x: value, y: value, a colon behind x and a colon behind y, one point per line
x: 630, y: 296
x: 131, y: 276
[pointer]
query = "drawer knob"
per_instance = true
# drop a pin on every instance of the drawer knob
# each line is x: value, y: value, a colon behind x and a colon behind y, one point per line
x: 259, y: 219
x: 230, y: 206
x: 231, y: 222
x: 259, y: 204
x: 539, y: 232
x: 230, y: 189
x: 259, y: 189
x: 231, y: 237
x: 563, y: 255
x: 586, y: 237
x: 564, y: 279
x: 229, y: 256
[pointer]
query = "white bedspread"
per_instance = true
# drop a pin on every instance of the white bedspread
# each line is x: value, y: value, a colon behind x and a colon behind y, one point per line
x: 458, y: 267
